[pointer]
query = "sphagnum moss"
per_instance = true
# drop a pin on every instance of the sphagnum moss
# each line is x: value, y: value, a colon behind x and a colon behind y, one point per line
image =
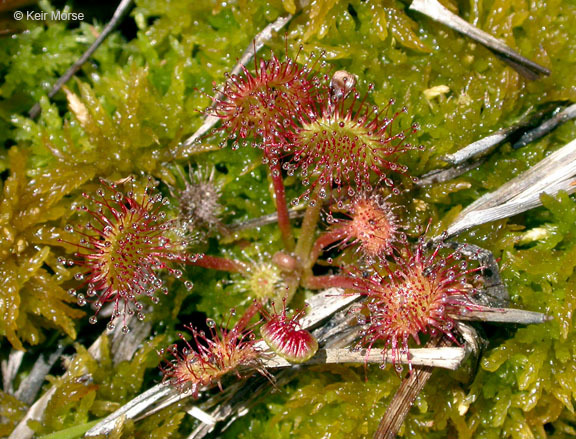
x: 127, y: 117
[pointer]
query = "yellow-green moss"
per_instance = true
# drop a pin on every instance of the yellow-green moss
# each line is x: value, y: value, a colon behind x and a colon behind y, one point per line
x: 128, y: 110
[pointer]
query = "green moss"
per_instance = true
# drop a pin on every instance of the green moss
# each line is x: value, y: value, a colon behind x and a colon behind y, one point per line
x: 95, y: 388
x: 28, y: 251
x: 128, y: 111
x: 11, y: 410
x: 313, y: 403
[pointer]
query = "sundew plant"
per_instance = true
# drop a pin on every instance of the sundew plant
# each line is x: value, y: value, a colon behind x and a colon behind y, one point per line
x: 174, y: 219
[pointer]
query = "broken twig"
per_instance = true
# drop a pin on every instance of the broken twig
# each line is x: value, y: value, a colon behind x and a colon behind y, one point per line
x: 116, y: 18
x: 551, y: 175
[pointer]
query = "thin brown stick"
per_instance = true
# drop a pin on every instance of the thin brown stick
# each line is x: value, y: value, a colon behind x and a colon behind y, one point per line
x: 114, y: 21
x: 405, y: 396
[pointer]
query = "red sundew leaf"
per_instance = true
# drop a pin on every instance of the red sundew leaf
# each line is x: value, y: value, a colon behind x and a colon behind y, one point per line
x: 208, y: 358
x: 416, y: 294
x: 124, y: 246
x: 259, y: 105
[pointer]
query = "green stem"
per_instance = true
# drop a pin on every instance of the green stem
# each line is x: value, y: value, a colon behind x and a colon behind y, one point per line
x: 72, y: 432
x: 308, y: 229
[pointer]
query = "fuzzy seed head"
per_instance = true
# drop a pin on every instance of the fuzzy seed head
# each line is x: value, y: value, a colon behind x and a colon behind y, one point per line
x: 123, y: 247
x: 416, y: 295
x: 260, y: 104
x: 345, y: 144
x: 285, y: 337
x: 198, y: 202
x: 207, y: 359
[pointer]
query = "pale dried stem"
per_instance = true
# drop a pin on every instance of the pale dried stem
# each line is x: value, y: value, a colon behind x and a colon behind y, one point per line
x: 439, y: 13
x: 10, y: 368
x: 446, y: 358
x: 502, y: 315
x: 552, y: 174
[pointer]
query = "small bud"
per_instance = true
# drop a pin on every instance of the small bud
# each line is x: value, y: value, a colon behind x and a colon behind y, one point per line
x: 284, y: 336
x: 341, y: 84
